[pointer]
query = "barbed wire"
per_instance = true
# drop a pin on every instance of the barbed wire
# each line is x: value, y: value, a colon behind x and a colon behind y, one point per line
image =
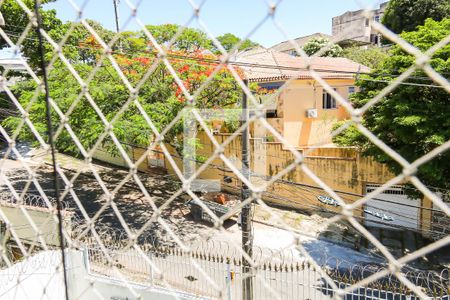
x: 338, y: 268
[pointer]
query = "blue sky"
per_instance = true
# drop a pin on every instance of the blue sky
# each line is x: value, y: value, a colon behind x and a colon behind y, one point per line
x: 298, y: 17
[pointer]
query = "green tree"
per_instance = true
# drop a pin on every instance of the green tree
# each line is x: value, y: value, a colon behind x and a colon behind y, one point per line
x: 371, y: 57
x: 315, y: 44
x: 160, y: 97
x: 16, y: 20
x: 412, y: 120
x: 131, y: 42
x: 406, y: 15
x: 81, y: 45
x: 189, y: 40
x: 229, y: 40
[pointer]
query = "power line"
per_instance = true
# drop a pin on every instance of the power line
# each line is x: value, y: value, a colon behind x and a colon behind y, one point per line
x: 265, y: 66
x: 405, y: 83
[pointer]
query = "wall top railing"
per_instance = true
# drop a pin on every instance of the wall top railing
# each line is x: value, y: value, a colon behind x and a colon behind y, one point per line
x: 432, y: 283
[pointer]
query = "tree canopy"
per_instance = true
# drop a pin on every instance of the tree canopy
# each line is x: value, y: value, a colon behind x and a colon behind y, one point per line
x: 371, y: 57
x: 192, y: 39
x: 315, y: 44
x: 189, y: 40
x: 229, y: 40
x: 412, y: 120
x: 406, y: 15
x: 160, y: 96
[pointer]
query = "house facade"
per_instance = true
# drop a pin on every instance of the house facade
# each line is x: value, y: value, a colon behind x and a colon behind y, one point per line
x: 355, y: 26
x: 349, y: 29
x: 300, y: 108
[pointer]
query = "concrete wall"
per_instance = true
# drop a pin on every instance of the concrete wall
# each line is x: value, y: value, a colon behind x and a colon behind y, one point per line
x: 35, y: 277
x: 150, y: 162
x: 44, y: 220
x: 85, y: 286
x: 102, y: 155
x: 353, y: 25
x: 38, y: 277
x: 342, y: 169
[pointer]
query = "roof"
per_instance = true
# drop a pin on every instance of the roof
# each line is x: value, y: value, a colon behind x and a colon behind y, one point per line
x: 11, y: 60
x: 259, y: 65
x: 300, y: 41
x: 12, y: 64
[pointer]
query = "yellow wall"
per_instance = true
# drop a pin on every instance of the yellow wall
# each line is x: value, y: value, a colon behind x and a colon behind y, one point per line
x: 342, y: 169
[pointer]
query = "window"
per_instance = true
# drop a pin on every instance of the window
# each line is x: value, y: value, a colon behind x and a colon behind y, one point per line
x: 377, y: 18
x: 328, y: 102
x: 351, y: 90
x: 271, y: 113
x: 271, y: 85
x: 374, y: 39
x: 367, y: 22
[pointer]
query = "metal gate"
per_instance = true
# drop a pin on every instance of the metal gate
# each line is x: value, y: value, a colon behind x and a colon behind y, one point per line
x: 392, y: 209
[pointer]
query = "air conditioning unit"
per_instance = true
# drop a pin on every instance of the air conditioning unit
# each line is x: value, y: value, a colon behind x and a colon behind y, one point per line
x: 311, y: 113
x: 215, y: 131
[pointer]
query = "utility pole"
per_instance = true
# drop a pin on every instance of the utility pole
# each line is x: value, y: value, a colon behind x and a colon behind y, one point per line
x: 246, y: 222
x: 116, y: 12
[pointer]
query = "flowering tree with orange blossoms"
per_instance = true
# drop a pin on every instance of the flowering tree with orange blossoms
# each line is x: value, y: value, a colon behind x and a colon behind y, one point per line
x: 160, y: 95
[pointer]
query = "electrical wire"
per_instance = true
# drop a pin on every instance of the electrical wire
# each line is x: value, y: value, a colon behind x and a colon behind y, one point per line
x: 202, y: 61
x: 215, y: 61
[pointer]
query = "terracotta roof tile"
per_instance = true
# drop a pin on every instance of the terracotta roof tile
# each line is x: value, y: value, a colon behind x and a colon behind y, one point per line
x: 259, y: 64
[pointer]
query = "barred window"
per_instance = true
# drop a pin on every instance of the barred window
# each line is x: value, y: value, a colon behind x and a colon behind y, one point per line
x: 328, y: 102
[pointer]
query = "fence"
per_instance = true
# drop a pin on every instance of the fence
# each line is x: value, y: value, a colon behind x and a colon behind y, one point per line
x: 283, y: 272
x: 85, y: 88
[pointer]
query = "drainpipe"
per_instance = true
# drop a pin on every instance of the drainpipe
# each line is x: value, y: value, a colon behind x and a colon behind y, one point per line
x: 314, y: 94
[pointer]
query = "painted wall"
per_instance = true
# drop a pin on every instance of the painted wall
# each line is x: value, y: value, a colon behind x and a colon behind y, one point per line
x: 102, y: 155
x: 353, y: 25
x: 40, y: 277
x: 148, y: 161
x: 342, y: 169
x: 86, y: 286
